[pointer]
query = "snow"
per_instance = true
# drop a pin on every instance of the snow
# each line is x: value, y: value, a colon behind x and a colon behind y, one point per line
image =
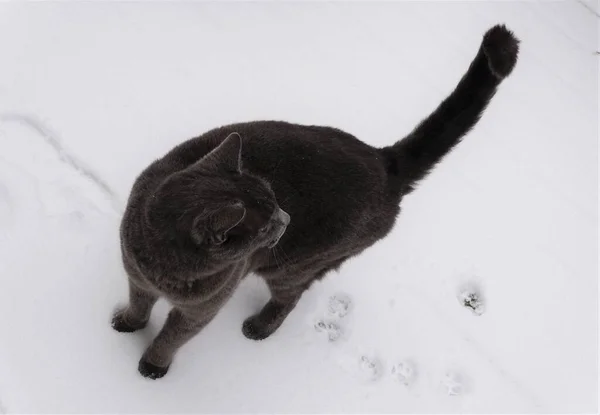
x: 90, y: 93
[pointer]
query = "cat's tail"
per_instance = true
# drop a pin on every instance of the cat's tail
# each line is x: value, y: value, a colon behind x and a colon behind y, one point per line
x: 412, y: 158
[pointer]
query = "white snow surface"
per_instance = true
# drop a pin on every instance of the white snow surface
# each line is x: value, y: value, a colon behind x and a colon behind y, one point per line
x: 91, y: 93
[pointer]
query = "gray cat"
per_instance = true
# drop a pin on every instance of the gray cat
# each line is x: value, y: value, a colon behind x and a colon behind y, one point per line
x: 284, y: 201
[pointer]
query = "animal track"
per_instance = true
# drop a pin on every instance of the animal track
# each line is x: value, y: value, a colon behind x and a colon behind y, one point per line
x: 334, y: 332
x: 453, y: 383
x: 367, y: 365
x: 404, y: 372
x: 371, y: 367
x: 471, y: 297
x: 339, y: 305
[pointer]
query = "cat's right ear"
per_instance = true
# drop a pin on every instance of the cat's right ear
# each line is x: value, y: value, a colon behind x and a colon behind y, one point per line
x: 225, y: 220
x: 226, y: 156
x: 214, y: 228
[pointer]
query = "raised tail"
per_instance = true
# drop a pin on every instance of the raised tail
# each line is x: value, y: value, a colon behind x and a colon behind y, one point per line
x: 413, y: 157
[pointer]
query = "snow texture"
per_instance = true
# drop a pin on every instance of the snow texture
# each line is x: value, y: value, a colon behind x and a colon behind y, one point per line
x: 90, y: 93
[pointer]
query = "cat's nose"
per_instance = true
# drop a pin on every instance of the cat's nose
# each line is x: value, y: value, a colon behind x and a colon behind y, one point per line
x: 283, y: 217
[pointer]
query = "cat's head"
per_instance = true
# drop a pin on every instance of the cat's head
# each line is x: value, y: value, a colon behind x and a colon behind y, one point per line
x: 216, y: 207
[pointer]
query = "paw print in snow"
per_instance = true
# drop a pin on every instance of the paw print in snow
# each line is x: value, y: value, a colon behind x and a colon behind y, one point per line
x: 404, y: 372
x: 370, y: 367
x: 339, y: 305
x: 332, y: 330
x: 471, y: 298
x: 453, y: 383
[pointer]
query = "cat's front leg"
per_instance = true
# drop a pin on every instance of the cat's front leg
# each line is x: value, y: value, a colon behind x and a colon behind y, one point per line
x: 267, y: 321
x: 180, y: 327
x: 136, y: 315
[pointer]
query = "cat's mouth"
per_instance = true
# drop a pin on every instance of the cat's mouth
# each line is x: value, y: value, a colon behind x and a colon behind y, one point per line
x: 275, y: 241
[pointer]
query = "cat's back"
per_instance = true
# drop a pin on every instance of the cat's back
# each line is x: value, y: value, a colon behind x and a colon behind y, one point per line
x: 285, y: 136
x: 269, y: 146
x: 300, y: 161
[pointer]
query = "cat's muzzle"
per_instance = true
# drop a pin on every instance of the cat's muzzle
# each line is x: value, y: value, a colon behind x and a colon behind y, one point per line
x: 282, y: 220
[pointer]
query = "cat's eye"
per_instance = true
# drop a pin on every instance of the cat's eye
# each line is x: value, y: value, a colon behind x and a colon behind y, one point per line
x: 263, y: 230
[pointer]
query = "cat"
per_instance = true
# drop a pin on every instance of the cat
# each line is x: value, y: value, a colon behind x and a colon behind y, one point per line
x: 287, y: 202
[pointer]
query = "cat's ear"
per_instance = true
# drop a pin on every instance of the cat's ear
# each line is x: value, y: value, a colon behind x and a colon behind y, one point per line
x: 224, y: 220
x: 227, y: 156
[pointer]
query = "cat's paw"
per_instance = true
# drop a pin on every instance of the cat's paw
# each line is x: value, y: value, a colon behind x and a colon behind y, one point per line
x: 254, y: 329
x: 122, y: 326
x: 150, y: 371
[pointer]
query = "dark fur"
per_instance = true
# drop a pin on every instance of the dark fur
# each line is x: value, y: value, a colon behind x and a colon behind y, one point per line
x: 209, y: 212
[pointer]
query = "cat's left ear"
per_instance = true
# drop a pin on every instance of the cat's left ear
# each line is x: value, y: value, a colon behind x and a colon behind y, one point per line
x: 227, y: 156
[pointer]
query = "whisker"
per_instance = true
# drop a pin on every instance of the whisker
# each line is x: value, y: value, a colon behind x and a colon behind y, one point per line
x: 281, y: 253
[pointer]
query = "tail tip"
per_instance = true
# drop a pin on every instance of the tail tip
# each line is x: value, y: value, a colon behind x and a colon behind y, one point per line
x: 501, y: 47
